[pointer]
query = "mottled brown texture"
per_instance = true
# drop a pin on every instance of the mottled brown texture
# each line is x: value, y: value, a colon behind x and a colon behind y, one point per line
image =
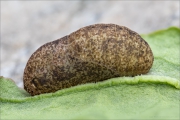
x: 91, y: 54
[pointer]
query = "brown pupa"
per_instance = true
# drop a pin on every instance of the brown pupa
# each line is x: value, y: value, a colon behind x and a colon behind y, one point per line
x: 91, y: 54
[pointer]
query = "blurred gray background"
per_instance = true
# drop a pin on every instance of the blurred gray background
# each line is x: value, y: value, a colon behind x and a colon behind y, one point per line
x: 26, y: 25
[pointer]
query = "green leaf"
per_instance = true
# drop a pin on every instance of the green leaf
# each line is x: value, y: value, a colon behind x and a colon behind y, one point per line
x: 155, y: 95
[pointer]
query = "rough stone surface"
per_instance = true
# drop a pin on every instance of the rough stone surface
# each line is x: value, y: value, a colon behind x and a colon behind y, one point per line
x: 26, y: 25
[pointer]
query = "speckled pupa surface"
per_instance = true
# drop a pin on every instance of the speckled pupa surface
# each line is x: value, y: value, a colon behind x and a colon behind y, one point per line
x: 91, y: 54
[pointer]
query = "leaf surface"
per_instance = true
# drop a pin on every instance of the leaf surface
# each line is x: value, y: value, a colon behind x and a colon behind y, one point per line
x: 155, y: 95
